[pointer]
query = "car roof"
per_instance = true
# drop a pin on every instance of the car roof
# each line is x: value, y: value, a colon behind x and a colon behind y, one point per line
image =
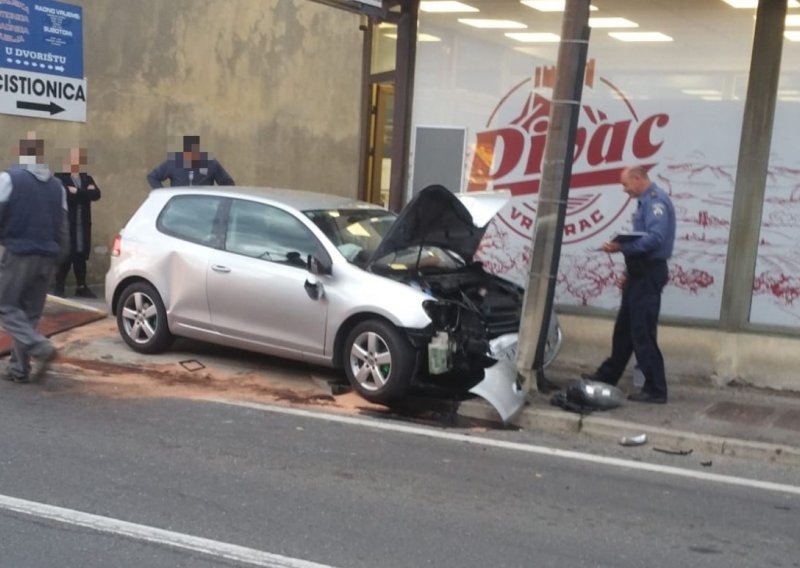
x: 298, y: 199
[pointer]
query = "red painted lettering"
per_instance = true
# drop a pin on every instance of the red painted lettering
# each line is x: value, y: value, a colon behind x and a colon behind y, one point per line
x: 580, y: 142
x: 525, y: 221
x: 608, y: 143
x: 486, y: 145
x: 643, y: 145
x: 536, y: 154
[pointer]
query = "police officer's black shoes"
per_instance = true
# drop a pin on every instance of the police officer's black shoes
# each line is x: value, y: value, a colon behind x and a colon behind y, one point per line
x: 645, y: 396
x: 594, y: 377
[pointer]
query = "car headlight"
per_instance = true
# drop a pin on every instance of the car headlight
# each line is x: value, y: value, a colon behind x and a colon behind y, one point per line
x: 444, y: 315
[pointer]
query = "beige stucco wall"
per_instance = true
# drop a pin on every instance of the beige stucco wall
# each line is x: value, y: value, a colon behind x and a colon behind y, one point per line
x: 695, y: 355
x: 271, y: 86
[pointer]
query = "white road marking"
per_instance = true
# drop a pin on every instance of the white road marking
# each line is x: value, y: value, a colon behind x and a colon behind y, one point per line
x: 151, y: 534
x: 518, y: 447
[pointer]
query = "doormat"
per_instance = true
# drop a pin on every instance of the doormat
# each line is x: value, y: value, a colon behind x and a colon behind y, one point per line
x: 59, y: 315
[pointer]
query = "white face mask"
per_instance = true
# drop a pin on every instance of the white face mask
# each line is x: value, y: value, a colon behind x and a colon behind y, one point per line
x: 27, y: 160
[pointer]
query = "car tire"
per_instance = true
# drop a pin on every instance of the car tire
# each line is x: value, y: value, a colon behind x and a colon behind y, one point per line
x: 142, y: 319
x: 379, y: 361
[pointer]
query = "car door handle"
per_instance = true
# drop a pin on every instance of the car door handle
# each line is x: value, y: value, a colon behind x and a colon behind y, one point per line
x: 220, y: 268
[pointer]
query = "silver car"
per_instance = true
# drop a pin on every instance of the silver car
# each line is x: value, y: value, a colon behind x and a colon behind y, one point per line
x: 393, y: 300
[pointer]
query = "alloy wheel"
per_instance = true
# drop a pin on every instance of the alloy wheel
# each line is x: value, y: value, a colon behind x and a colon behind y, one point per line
x: 370, y: 361
x: 140, y: 317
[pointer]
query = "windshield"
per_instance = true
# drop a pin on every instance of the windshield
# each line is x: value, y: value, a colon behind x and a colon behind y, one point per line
x: 358, y: 232
x: 355, y: 232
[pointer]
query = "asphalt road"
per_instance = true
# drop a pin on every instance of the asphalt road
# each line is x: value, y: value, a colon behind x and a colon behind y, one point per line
x: 295, y: 489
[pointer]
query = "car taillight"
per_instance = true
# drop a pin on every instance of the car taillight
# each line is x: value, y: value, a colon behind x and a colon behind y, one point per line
x: 116, y: 248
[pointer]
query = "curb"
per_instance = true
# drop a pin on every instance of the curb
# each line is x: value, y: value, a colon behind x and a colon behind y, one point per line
x: 74, y: 304
x: 560, y: 421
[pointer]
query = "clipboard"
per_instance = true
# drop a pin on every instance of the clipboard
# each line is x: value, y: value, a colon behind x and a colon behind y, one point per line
x: 627, y: 237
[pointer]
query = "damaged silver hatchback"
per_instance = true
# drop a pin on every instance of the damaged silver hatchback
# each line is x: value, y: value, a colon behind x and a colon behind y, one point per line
x: 394, y: 300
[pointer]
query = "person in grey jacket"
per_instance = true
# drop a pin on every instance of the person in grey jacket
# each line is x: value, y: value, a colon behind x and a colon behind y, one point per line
x: 34, y: 232
x: 190, y: 167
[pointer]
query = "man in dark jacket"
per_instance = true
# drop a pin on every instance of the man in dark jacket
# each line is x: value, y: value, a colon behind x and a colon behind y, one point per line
x: 33, y: 230
x: 191, y: 167
x: 81, y: 190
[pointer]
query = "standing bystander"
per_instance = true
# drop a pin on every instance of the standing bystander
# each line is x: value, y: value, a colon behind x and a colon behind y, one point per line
x: 190, y: 167
x: 81, y: 191
x: 33, y: 230
x: 646, y: 275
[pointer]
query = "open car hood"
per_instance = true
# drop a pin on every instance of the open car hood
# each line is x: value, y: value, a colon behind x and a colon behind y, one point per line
x: 438, y: 217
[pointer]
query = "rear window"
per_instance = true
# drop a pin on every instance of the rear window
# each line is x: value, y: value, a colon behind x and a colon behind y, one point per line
x: 193, y: 218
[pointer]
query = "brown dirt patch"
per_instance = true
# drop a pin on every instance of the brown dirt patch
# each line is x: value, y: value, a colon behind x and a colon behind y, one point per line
x: 95, y: 362
x: 172, y: 381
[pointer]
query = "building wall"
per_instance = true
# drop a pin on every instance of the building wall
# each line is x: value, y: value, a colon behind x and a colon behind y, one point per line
x: 271, y: 86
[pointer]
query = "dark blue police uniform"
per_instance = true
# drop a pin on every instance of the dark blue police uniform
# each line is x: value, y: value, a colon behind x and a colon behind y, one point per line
x: 647, y: 274
x: 205, y: 171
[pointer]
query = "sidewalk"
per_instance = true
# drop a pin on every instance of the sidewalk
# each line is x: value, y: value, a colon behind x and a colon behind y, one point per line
x: 729, y: 420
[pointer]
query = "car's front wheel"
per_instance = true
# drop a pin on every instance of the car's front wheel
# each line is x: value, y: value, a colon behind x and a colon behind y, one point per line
x: 379, y: 361
x: 142, y: 319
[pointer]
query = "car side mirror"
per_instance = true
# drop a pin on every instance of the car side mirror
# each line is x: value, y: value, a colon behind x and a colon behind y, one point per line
x: 318, y: 267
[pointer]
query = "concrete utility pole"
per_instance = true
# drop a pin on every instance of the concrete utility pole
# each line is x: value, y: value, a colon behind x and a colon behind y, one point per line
x: 553, y: 191
x: 753, y: 164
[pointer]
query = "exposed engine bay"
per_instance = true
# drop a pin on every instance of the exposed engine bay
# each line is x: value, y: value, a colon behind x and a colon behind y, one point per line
x: 471, y: 307
x: 473, y: 336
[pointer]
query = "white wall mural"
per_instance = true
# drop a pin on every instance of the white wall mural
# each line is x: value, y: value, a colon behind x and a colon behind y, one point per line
x: 660, y: 119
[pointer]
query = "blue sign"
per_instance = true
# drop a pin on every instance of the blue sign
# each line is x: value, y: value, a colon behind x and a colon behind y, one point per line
x: 42, y: 36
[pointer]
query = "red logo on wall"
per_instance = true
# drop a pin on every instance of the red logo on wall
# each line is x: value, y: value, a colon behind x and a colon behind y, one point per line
x: 509, y: 153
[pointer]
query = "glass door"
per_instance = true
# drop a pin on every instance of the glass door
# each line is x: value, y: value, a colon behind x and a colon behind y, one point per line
x: 380, y: 143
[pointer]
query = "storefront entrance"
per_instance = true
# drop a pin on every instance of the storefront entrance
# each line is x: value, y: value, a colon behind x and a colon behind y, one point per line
x: 388, y: 57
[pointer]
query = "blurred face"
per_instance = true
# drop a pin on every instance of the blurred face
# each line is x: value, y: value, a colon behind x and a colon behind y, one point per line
x: 31, y: 151
x: 193, y: 154
x: 191, y: 148
x: 78, y: 157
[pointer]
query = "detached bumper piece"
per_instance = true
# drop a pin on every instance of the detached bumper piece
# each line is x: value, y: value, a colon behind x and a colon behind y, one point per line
x: 502, y: 385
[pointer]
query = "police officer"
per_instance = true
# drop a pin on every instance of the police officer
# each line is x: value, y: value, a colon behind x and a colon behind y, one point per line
x: 190, y: 167
x: 646, y: 275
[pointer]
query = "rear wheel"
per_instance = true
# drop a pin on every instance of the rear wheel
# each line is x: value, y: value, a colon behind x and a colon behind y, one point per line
x: 379, y: 361
x: 142, y: 319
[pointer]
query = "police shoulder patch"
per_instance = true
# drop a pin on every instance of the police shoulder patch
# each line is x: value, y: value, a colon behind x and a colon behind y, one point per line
x: 658, y: 209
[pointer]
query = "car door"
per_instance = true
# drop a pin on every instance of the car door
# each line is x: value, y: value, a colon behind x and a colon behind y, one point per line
x: 256, y: 285
x: 190, y: 227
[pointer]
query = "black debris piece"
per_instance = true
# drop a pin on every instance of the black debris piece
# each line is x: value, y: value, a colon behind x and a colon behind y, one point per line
x: 673, y: 452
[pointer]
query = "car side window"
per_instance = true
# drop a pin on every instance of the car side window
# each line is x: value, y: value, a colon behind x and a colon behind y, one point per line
x: 193, y: 218
x: 266, y: 232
